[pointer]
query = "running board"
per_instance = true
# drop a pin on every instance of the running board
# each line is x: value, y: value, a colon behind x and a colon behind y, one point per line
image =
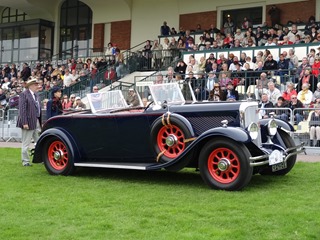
x: 137, y: 166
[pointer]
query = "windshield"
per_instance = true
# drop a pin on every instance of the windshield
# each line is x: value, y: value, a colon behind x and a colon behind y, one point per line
x: 167, y: 92
x: 106, y: 100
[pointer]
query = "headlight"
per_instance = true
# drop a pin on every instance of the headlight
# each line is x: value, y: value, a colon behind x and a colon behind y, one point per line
x: 272, y: 127
x: 253, y: 130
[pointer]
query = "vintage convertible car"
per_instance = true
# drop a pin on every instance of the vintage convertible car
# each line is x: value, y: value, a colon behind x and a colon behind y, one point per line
x: 224, y: 140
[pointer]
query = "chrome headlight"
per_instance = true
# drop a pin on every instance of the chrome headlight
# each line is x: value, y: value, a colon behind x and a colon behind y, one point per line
x: 272, y: 127
x: 253, y: 130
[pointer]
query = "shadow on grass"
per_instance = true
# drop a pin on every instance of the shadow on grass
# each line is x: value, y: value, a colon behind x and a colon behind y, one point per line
x: 185, y: 177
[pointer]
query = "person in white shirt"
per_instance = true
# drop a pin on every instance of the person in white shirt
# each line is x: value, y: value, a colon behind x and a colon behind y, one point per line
x: 67, y: 78
x: 273, y: 93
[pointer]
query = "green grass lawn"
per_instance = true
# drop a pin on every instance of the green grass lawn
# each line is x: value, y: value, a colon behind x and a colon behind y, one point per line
x: 124, y: 204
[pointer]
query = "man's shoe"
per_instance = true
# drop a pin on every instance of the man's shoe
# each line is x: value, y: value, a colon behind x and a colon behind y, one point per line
x: 27, y: 164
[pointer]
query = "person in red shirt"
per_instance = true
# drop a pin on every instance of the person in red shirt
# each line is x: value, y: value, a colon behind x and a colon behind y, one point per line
x: 289, y: 91
x: 316, y: 66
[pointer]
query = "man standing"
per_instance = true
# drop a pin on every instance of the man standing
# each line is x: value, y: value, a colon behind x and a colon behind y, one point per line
x: 29, y: 118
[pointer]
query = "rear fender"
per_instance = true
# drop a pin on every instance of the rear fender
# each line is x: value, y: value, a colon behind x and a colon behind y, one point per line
x: 64, y: 136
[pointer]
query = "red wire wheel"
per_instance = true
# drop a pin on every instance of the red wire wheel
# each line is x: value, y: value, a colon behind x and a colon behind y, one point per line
x: 223, y: 165
x: 171, y: 141
x: 58, y: 155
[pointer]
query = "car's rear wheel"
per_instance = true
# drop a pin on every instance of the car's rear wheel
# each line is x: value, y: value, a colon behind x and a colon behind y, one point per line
x: 169, y: 140
x: 288, y: 141
x: 224, y: 164
x: 57, y: 157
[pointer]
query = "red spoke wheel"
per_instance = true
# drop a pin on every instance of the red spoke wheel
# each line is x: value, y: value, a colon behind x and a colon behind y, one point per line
x: 57, y: 157
x: 169, y: 141
x: 224, y: 164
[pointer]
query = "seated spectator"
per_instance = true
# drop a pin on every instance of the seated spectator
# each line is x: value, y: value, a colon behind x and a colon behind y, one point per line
x: 316, y: 93
x: 224, y: 69
x: 281, y: 114
x: 230, y: 94
x: 304, y: 64
x: 285, y: 41
x: 283, y: 66
x: 309, y: 79
x: 269, y: 42
x: 313, y: 34
x: 305, y: 95
x: 263, y: 104
x: 270, y: 64
x: 294, y: 31
x: 70, y: 104
x: 67, y: 79
x: 316, y: 66
x: 216, y: 94
x: 247, y: 37
x: 261, y: 85
x: 211, y: 80
x: 239, y: 35
x: 224, y: 80
x: 78, y: 104
x: 294, y: 105
x: 289, y: 91
x: 273, y: 92
x: 314, y: 125
x: 181, y: 68
x: 65, y: 102
x: 132, y: 98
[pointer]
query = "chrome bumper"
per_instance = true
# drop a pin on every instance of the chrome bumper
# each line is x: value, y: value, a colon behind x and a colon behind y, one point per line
x: 296, y: 150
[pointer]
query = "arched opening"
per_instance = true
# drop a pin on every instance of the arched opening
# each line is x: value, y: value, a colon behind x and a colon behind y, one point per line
x: 10, y: 15
x: 75, y: 29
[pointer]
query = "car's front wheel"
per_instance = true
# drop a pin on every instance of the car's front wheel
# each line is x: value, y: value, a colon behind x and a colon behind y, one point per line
x: 57, y: 157
x: 224, y: 164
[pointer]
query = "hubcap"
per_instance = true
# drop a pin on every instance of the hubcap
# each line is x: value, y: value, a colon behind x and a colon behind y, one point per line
x: 223, y: 164
x: 171, y: 140
x: 57, y: 155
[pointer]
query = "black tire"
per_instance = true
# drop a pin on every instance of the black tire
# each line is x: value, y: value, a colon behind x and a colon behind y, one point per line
x: 224, y: 164
x: 160, y: 132
x: 288, y: 141
x: 57, y: 157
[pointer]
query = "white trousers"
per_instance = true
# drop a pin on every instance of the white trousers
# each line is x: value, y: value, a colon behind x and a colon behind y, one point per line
x: 315, y: 133
x: 26, y: 138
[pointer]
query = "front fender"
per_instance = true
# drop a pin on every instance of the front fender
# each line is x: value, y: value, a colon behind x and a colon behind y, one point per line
x: 234, y: 133
x: 63, y: 135
x: 169, y: 115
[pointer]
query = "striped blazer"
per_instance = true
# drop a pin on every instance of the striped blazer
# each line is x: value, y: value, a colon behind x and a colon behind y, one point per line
x: 28, y: 110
